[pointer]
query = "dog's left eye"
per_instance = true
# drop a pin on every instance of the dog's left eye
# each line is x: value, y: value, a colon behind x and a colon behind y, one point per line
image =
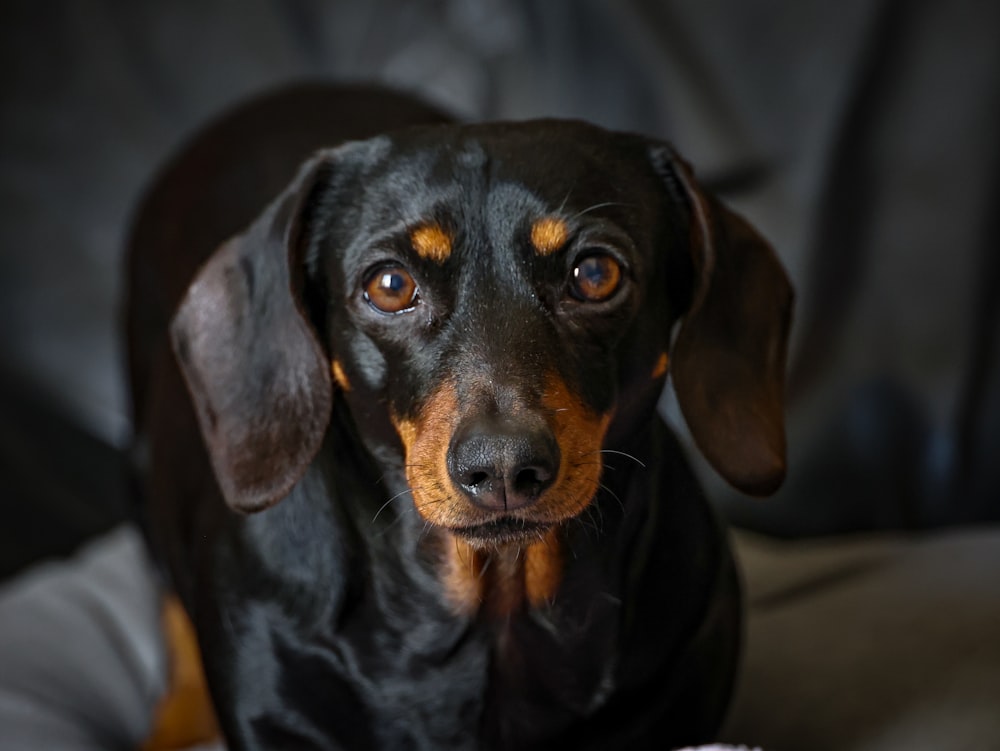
x: 596, y: 277
x: 391, y: 289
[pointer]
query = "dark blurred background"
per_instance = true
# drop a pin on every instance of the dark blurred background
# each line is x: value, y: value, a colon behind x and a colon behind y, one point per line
x: 860, y: 136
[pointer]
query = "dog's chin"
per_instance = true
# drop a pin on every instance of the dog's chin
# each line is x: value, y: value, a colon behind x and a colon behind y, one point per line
x: 503, y: 532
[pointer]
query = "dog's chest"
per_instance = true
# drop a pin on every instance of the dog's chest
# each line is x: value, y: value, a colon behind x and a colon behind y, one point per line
x: 475, y: 684
x: 415, y: 681
x: 373, y: 654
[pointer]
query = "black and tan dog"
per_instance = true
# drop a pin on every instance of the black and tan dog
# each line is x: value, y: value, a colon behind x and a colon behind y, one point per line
x: 399, y: 433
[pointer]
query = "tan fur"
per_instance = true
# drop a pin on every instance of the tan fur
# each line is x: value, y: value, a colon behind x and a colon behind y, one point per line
x: 339, y: 376
x: 662, y: 366
x: 431, y: 242
x: 543, y: 569
x: 505, y: 579
x: 548, y: 235
x: 185, y: 716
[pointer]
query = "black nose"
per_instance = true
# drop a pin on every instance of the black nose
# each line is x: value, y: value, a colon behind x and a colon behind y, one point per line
x: 503, y: 463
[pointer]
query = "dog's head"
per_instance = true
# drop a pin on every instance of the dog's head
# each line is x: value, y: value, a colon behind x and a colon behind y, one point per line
x: 496, y: 304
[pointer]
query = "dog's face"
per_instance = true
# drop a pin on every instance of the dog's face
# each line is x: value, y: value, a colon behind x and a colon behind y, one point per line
x: 496, y: 305
x: 494, y: 292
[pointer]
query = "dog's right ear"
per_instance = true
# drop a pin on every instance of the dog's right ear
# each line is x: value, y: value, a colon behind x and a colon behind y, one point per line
x: 257, y: 374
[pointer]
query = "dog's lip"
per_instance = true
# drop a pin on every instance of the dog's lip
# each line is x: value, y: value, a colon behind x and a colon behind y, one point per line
x: 503, y: 530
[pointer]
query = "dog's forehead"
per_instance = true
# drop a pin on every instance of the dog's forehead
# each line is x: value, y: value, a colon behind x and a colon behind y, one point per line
x: 514, y: 167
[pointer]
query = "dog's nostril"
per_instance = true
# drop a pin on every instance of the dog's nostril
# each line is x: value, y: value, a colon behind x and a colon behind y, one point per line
x: 476, y: 479
x: 531, y: 481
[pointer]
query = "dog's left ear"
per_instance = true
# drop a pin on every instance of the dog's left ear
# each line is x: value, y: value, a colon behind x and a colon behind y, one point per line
x: 728, y: 359
x: 258, y: 377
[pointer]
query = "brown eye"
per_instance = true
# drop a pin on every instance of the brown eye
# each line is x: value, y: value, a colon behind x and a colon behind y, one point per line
x: 596, y: 277
x: 391, y: 289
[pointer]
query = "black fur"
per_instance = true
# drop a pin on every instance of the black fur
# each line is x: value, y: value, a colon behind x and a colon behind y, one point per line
x: 324, y: 618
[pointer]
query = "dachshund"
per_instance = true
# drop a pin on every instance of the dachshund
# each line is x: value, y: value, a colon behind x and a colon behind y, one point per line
x: 397, y: 433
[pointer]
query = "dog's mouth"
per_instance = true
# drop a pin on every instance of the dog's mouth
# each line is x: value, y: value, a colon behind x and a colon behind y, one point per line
x: 504, y: 530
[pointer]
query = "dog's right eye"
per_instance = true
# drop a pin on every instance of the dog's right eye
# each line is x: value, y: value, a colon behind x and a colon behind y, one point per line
x: 391, y: 289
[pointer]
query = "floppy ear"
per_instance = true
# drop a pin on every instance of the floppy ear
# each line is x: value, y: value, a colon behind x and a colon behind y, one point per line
x: 257, y: 375
x: 728, y: 359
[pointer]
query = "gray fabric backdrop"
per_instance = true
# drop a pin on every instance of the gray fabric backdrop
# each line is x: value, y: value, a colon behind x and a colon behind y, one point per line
x: 875, y: 122
x: 870, y: 127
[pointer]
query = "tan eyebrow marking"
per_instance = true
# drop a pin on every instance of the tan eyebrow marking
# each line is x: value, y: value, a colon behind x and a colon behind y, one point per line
x: 548, y: 234
x: 431, y: 242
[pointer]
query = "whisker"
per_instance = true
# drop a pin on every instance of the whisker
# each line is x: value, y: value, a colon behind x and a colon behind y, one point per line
x: 387, y: 503
x: 565, y: 200
x: 614, y: 495
x: 596, y: 509
x: 460, y: 555
x: 434, y: 501
x: 599, y: 206
x: 572, y: 550
x: 587, y: 521
x: 399, y: 518
x: 485, y: 568
x: 622, y: 453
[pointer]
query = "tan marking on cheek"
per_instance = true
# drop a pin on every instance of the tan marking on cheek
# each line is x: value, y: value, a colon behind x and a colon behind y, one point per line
x: 662, y: 365
x: 548, y: 235
x: 339, y: 376
x: 431, y: 242
x: 580, y: 434
x: 407, y: 430
x: 425, y: 440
